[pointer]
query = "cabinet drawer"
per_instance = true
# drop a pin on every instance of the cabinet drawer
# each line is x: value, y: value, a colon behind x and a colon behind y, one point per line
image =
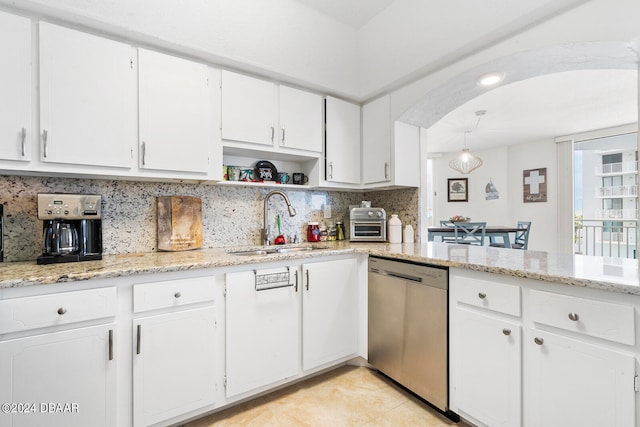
x: 595, y: 318
x: 172, y: 293
x: 21, y: 314
x: 490, y: 295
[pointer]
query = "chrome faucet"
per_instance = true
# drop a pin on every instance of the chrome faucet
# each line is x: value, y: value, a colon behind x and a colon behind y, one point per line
x: 264, y: 233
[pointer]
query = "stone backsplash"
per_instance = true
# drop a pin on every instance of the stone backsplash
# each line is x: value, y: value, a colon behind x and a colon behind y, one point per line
x: 231, y: 216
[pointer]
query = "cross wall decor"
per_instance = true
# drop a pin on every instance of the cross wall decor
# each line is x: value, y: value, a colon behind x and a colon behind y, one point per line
x: 534, y: 185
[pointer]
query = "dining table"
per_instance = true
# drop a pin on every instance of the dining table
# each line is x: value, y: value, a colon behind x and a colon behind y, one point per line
x: 493, y: 232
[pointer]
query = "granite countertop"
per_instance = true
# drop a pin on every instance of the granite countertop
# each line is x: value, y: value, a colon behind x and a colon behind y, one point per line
x: 611, y: 274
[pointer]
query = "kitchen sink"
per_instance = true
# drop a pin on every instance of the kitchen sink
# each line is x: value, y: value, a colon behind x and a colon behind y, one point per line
x: 257, y: 252
x: 252, y: 252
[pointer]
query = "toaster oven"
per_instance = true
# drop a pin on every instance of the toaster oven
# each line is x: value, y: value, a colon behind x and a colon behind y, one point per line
x: 368, y: 225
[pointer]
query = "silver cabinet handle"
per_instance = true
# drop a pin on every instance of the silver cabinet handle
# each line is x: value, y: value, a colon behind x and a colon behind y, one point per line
x: 110, y: 344
x: 482, y: 295
x: 177, y: 295
x: 138, y: 334
x: 506, y: 331
x: 23, y: 139
x: 62, y: 311
x: 538, y: 340
x: 306, y: 272
x: 331, y: 170
x: 295, y: 274
x: 386, y: 170
x: 273, y: 130
x: 574, y: 317
x: 45, y: 150
x: 283, y: 135
x: 144, y: 153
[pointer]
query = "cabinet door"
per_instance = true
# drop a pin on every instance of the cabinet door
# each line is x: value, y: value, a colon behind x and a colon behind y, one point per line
x: 342, y: 145
x: 15, y: 87
x: 576, y: 383
x: 329, y: 311
x: 248, y: 109
x: 176, y: 113
x: 174, y: 364
x: 405, y: 166
x: 87, y: 98
x: 262, y: 324
x: 300, y: 119
x: 488, y: 360
x: 70, y: 368
x: 376, y: 141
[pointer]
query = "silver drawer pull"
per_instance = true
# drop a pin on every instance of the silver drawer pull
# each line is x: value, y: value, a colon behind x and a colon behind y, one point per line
x: 482, y: 295
x: 574, y: 317
x: 177, y: 295
x: 62, y: 311
x: 506, y: 331
x: 538, y: 341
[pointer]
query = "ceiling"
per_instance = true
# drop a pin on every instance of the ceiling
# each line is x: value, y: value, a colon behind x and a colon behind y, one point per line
x: 354, y: 13
x: 540, y: 108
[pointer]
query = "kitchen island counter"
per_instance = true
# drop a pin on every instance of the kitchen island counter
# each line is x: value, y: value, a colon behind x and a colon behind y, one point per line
x: 610, y: 274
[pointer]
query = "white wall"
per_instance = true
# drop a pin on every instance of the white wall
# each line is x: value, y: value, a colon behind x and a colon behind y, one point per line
x: 494, y: 212
x: 543, y: 215
x: 505, y: 167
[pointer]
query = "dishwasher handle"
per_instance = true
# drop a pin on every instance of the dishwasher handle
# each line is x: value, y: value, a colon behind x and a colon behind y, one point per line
x: 400, y: 275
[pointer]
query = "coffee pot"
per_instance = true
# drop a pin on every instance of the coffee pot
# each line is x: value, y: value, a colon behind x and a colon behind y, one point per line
x: 60, y: 237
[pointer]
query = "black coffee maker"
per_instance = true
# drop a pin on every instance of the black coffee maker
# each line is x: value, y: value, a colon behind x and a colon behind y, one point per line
x: 71, y: 227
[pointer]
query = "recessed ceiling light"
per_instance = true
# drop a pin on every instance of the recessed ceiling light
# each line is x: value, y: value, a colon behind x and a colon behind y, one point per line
x: 490, y: 79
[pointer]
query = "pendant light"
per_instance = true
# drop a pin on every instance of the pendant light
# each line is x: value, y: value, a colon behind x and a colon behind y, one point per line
x: 466, y: 162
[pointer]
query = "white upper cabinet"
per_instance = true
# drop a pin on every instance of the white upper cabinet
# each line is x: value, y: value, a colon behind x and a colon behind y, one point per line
x: 376, y: 141
x: 300, y: 119
x: 342, y: 144
x: 176, y: 114
x: 248, y: 109
x: 15, y: 87
x: 274, y: 116
x: 390, y: 150
x: 88, y: 102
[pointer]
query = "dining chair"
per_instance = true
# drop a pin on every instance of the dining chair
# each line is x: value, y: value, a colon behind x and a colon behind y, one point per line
x: 470, y: 233
x: 522, y: 237
x: 449, y: 224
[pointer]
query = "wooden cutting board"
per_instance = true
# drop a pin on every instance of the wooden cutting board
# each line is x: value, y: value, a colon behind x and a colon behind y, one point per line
x: 179, y: 223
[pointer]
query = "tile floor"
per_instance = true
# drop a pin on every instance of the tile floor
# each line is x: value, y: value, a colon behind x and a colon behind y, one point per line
x: 346, y: 396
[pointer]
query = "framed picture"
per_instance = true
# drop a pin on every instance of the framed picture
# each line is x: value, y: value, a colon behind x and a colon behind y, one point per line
x: 534, y: 185
x: 457, y: 190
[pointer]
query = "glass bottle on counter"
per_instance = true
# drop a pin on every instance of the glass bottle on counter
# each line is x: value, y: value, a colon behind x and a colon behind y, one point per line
x: 323, y: 233
x: 331, y: 234
x: 339, y: 230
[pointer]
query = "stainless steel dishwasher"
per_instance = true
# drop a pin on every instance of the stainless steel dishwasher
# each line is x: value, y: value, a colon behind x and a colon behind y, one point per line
x: 408, y: 327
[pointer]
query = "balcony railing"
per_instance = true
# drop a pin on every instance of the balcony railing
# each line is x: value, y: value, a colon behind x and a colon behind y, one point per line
x: 618, y: 214
x: 617, y: 168
x: 604, y: 238
x: 617, y: 191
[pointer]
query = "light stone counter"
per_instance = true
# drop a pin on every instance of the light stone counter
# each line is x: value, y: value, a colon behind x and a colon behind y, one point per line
x: 610, y: 274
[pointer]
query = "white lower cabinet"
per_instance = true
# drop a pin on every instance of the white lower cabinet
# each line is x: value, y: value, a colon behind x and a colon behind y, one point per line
x: 566, y: 358
x: 174, y: 364
x: 574, y: 383
x: 63, y: 379
x: 488, y: 368
x: 174, y: 353
x: 262, y: 328
x: 329, y: 311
